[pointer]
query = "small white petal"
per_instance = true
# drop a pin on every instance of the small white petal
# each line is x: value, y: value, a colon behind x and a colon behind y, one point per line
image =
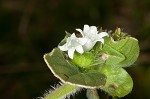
x: 86, y: 28
x: 93, y: 30
x: 89, y: 45
x: 71, y: 52
x: 82, y: 41
x: 79, y: 30
x: 102, y: 34
x: 72, y: 35
x: 63, y: 47
x: 86, y: 43
x: 101, y: 40
x: 79, y: 49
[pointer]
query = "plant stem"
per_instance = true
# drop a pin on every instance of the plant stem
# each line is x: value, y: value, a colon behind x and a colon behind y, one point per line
x: 92, y: 94
x: 62, y: 91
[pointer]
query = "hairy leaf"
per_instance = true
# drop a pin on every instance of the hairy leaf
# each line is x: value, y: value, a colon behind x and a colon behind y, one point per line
x: 69, y: 73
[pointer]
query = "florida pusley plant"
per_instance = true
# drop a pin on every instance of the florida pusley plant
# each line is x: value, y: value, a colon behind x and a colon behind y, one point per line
x: 93, y: 59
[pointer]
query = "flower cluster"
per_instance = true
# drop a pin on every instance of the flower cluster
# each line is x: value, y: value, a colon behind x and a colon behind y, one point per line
x: 90, y: 35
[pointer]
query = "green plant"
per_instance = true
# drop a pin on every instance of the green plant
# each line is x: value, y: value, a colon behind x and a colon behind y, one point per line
x: 93, y: 60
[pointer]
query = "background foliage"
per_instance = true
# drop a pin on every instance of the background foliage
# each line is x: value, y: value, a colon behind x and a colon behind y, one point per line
x: 31, y: 28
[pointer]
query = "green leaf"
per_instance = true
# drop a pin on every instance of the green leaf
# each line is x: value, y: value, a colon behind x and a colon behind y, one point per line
x: 91, y: 80
x: 119, y: 83
x: 59, y: 66
x: 114, y: 57
x: 69, y: 73
x: 121, y: 53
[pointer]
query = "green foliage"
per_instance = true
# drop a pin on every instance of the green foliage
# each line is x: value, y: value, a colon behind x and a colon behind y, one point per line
x: 119, y: 83
x: 118, y: 35
x: 84, y: 60
x: 121, y: 53
x: 31, y: 28
x: 88, y: 80
x: 111, y: 55
x: 69, y: 73
x: 101, y: 67
x: 59, y: 66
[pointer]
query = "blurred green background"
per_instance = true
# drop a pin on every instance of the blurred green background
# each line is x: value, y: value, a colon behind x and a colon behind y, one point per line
x: 30, y: 28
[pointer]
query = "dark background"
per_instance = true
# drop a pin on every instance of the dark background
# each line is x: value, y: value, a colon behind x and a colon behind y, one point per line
x: 30, y: 28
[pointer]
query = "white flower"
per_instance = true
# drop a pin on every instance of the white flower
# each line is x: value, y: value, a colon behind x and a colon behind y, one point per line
x: 73, y: 43
x: 92, y: 36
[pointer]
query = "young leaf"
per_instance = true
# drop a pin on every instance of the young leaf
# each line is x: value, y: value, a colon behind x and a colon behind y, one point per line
x: 130, y: 51
x: 119, y: 83
x: 121, y: 53
x: 114, y: 57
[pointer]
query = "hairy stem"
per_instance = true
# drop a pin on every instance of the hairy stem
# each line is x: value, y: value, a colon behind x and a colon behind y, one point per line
x: 92, y: 94
x: 62, y: 92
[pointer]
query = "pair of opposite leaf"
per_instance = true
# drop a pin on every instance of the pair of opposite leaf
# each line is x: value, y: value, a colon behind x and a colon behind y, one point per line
x: 95, y: 61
